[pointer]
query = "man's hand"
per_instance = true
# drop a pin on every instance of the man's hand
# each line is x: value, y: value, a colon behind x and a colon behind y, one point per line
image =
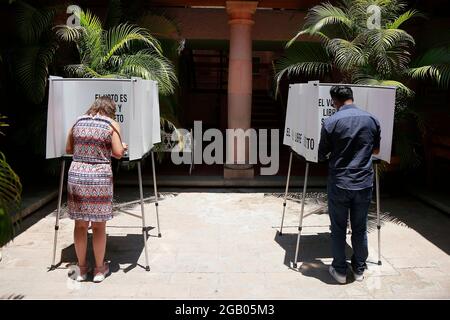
x: 376, y: 151
x: 125, y: 146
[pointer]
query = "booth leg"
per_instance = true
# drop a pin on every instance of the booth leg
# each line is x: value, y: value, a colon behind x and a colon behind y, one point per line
x: 144, y: 226
x: 285, y: 193
x: 349, y: 224
x: 305, y: 184
x: 58, y: 212
x: 377, y: 191
x: 156, y: 194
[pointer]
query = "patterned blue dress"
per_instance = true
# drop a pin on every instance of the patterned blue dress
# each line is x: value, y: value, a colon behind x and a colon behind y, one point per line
x: 90, y: 182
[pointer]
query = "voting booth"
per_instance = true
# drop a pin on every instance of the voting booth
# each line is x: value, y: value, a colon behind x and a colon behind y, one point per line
x: 309, y: 104
x: 137, y: 112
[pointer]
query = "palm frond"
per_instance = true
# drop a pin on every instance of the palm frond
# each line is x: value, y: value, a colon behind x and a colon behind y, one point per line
x: 305, y: 58
x: 326, y: 14
x: 439, y: 74
x: 404, y: 17
x: 390, y: 9
x: 346, y: 55
x: 150, y: 65
x: 91, y: 43
x: 35, y: 51
x: 10, y: 194
x: 31, y: 65
x: 112, y: 53
x: 308, y: 31
x: 3, y: 124
x: 384, y: 39
x: 402, y: 88
x: 32, y: 22
x: 318, y: 18
x: 68, y: 33
x: 116, y: 61
x: 10, y: 186
x: 400, y: 57
x: 120, y: 37
x: 433, y: 65
x: 82, y: 71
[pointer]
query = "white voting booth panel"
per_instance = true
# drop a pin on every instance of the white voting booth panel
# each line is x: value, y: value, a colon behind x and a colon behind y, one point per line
x: 309, y: 104
x: 137, y: 111
x: 302, y: 120
x: 145, y: 124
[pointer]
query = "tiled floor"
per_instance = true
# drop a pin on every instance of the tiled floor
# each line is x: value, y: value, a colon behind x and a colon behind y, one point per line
x: 222, y: 245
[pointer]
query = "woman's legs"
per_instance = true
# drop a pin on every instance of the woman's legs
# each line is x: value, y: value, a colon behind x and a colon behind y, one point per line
x: 80, y: 239
x: 99, y: 242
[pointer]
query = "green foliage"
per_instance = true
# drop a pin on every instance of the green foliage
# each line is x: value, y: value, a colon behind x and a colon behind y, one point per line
x: 359, y: 54
x: 10, y: 191
x: 36, y: 50
x: 433, y: 65
x: 3, y: 124
x: 306, y: 58
x: 347, y: 48
x: 123, y: 51
x: 363, y: 55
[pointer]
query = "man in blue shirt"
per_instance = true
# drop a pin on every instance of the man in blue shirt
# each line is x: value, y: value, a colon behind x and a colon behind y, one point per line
x: 348, y: 140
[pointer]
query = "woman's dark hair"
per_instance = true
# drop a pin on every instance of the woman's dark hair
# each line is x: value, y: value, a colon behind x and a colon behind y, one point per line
x: 104, y: 106
x: 341, y: 93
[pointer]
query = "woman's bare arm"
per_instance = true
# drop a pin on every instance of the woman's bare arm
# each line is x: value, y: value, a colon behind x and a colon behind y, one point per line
x: 69, y: 143
x: 117, y: 147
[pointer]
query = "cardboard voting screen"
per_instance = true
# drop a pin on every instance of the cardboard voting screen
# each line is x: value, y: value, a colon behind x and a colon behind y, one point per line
x: 137, y: 111
x: 309, y: 104
x: 301, y: 121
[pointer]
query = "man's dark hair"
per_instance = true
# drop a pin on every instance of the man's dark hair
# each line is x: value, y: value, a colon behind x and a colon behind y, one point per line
x: 341, y: 93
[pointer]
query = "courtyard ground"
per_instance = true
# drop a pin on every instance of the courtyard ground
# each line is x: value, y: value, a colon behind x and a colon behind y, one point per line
x: 224, y: 244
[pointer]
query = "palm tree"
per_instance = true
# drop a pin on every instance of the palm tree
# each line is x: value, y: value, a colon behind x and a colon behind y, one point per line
x: 348, y: 49
x: 433, y: 65
x: 123, y: 51
x: 35, y: 51
x: 360, y: 54
x: 10, y: 191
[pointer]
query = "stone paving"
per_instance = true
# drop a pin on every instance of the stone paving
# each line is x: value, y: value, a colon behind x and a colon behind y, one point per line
x: 225, y: 245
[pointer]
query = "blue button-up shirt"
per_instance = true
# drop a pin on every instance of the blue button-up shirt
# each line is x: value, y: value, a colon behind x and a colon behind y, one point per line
x: 348, y: 139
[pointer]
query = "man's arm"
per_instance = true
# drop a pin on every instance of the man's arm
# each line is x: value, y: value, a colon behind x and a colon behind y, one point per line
x: 324, y: 145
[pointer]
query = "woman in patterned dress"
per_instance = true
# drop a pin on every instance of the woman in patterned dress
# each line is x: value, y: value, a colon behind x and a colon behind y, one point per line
x: 93, y: 139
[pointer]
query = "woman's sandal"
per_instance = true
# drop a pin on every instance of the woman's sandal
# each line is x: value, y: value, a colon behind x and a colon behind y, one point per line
x: 80, y: 274
x: 101, y: 273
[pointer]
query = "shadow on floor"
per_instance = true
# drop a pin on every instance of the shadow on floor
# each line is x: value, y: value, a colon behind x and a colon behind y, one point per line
x: 431, y: 223
x: 12, y: 297
x: 313, y: 248
x: 120, y: 249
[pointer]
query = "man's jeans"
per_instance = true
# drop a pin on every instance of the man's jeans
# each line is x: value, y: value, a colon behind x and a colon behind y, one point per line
x: 340, y: 202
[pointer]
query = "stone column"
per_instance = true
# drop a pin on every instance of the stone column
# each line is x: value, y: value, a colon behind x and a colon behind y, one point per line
x: 240, y: 15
